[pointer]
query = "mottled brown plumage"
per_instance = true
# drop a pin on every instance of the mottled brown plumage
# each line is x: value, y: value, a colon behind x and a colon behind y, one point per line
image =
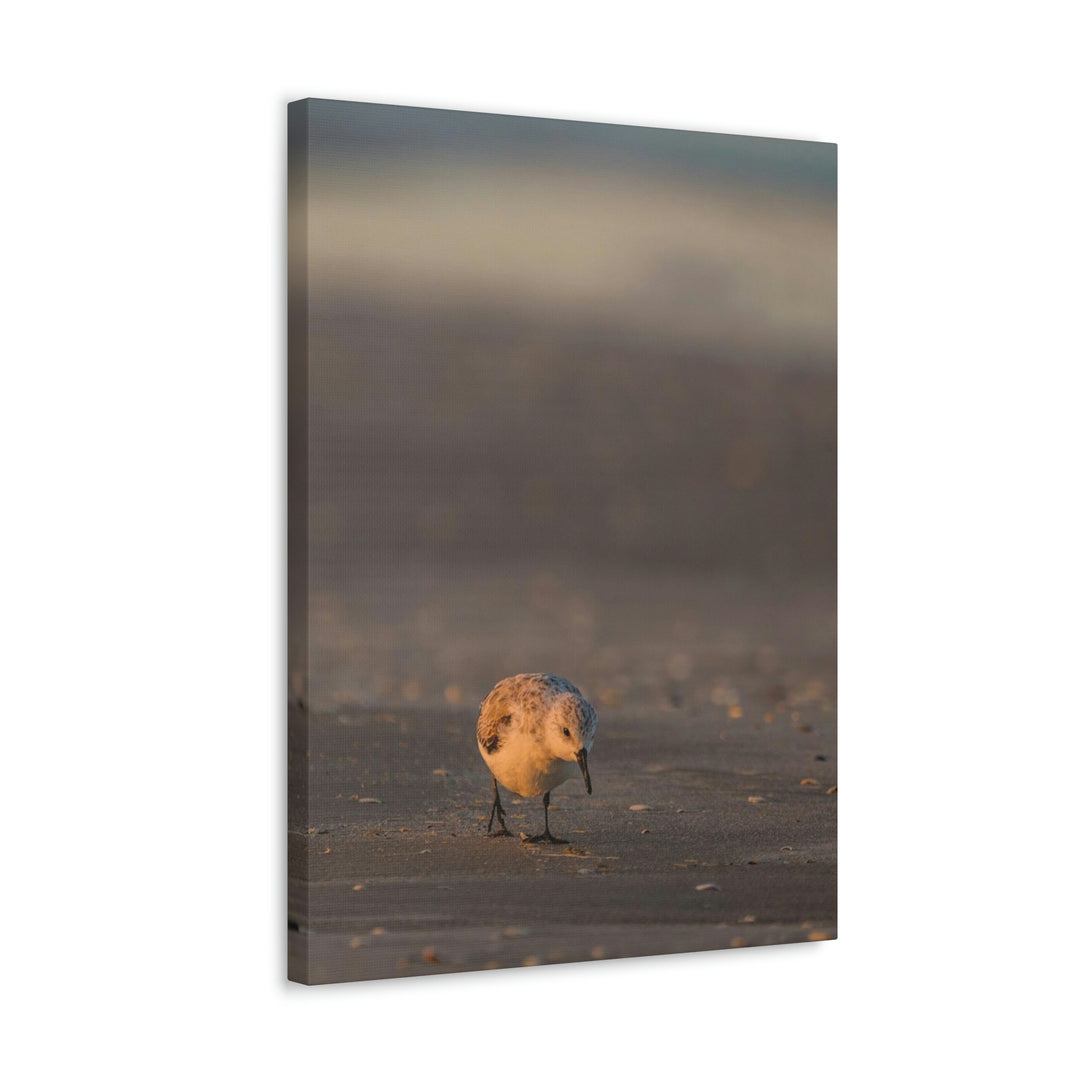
x: 534, y: 733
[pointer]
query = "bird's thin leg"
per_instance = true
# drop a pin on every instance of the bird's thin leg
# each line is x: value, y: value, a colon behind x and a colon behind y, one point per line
x: 545, y: 837
x: 496, y: 808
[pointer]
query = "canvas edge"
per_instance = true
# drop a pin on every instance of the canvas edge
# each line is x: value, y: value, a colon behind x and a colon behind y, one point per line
x: 297, y: 529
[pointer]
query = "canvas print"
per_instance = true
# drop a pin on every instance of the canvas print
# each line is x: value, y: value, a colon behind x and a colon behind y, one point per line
x: 562, y: 541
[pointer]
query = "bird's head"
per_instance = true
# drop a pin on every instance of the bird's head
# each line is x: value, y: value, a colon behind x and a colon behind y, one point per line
x: 569, y: 731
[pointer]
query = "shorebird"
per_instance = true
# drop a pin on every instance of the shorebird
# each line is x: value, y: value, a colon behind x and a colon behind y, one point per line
x: 534, y: 733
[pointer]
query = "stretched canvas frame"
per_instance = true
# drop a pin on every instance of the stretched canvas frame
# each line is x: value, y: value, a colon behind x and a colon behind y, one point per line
x: 562, y: 400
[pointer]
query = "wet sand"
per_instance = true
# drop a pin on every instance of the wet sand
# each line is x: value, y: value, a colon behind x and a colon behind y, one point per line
x: 393, y: 874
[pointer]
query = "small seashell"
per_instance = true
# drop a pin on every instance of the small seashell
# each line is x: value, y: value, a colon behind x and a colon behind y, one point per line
x: 431, y: 956
x: 439, y: 772
x: 640, y: 806
x: 378, y: 930
x: 755, y: 799
x: 357, y: 888
x: 530, y: 961
x: 644, y: 831
x: 809, y: 782
x: 709, y: 886
x: 831, y: 791
x: 597, y: 952
x: 327, y: 851
x: 370, y: 800
x: 787, y: 847
x: 356, y: 942
x: 738, y: 942
x: 748, y: 919
x: 817, y: 935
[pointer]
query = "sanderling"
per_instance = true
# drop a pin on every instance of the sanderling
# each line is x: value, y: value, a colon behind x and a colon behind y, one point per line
x: 534, y: 732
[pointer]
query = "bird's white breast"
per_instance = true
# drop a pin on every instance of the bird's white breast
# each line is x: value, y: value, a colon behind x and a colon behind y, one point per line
x: 524, y: 765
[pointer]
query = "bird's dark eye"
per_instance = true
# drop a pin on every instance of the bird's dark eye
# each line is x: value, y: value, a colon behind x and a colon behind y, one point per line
x: 566, y: 732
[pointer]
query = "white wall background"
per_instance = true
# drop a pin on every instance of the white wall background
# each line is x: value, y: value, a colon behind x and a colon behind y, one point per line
x: 142, y: 455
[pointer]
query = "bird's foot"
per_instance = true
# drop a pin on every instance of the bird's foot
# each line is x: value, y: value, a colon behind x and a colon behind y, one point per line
x: 543, y: 838
x: 504, y: 831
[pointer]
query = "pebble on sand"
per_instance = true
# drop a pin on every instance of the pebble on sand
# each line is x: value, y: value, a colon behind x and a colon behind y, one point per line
x: 597, y: 952
x: 431, y: 956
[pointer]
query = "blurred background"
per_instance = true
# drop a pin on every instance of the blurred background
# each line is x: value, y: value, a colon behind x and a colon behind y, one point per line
x: 572, y: 407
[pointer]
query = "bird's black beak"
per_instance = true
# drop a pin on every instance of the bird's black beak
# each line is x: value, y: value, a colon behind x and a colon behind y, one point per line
x: 583, y: 761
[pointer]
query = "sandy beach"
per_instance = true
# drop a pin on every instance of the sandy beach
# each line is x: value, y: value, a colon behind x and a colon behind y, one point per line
x: 393, y: 875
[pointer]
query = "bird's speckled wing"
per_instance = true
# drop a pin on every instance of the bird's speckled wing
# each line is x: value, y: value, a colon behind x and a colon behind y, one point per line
x: 490, y: 725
